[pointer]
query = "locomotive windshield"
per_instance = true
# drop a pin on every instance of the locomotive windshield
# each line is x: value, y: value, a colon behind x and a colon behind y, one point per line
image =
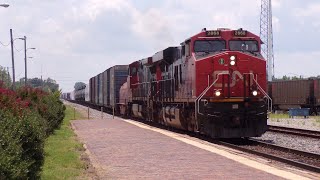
x: 209, y: 45
x: 244, y: 45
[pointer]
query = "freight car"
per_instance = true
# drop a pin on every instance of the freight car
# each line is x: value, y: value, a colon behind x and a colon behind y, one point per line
x: 302, y: 93
x: 79, y: 93
x: 65, y: 96
x: 214, y: 83
x: 104, y: 88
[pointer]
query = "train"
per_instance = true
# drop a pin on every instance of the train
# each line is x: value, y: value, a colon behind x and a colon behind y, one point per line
x: 213, y: 83
x: 300, y: 93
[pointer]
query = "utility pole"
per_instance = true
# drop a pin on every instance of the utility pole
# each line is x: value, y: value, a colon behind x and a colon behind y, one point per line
x: 8, y: 76
x: 12, y: 56
x: 25, y: 61
x: 2, y: 74
x: 41, y: 78
x: 266, y: 36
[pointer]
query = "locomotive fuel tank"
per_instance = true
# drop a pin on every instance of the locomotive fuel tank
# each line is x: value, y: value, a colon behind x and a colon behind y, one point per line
x: 172, y: 117
x: 137, y: 110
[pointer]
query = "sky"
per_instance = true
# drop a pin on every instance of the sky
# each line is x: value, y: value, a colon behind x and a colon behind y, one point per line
x: 77, y: 39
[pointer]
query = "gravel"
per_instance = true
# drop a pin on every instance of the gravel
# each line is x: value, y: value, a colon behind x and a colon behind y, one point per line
x: 83, y: 110
x: 291, y: 141
x: 312, y: 123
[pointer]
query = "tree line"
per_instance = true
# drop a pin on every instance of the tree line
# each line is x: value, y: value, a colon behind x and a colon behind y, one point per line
x: 286, y: 78
x: 47, y: 85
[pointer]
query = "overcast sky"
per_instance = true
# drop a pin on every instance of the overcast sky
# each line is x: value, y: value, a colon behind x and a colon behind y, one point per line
x: 77, y: 39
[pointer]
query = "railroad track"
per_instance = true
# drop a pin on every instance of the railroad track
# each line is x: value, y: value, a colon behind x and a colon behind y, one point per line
x: 305, y: 160
x: 294, y: 131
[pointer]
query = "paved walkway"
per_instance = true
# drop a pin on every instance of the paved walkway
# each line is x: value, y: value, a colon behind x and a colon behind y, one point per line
x: 122, y: 150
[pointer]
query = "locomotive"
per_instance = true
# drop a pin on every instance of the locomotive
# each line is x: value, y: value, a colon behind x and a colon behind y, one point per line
x: 214, y: 83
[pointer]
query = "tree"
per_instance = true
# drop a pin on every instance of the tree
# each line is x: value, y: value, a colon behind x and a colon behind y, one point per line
x: 5, y: 78
x: 79, y: 85
x: 35, y: 82
x: 48, y: 85
x: 286, y: 77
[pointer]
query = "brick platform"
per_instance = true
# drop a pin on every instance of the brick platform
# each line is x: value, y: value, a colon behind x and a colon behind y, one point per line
x: 120, y: 150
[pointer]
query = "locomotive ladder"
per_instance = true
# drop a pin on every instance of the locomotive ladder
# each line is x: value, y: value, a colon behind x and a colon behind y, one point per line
x: 197, y: 106
x: 266, y: 96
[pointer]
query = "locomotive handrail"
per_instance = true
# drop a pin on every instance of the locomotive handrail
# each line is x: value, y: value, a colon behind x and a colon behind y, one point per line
x: 197, y: 106
x: 146, y: 82
x: 269, y: 100
x: 197, y: 110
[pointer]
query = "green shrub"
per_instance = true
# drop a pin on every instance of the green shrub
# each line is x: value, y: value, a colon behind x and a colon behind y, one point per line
x: 27, y: 117
x: 47, y: 105
x: 53, y: 113
x: 21, y: 139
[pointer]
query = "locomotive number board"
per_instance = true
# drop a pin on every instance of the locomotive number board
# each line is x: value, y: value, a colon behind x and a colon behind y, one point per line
x: 240, y: 33
x: 213, y: 33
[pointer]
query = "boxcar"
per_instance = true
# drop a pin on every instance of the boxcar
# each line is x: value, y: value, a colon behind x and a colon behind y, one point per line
x: 118, y: 76
x: 91, y: 91
x: 96, y: 89
x: 72, y: 96
x: 106, y: 88
x: 87, y: 92
x: 291, y: 94
x: 317, y: 94
x: 100, y: 89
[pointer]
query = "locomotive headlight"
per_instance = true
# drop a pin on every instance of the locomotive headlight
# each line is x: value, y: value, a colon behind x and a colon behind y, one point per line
x: 217, y: 93
x: 254, y: 93
x: 232, y: 58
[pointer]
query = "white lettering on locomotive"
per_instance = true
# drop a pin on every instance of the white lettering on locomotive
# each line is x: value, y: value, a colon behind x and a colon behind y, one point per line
x: 235, y: 77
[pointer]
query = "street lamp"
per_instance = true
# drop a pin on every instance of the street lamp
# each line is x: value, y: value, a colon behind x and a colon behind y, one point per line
x: 25, y: 59
x: 4, y: 5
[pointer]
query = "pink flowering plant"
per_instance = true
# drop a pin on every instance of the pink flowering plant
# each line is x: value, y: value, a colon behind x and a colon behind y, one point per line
x: 27, y: 117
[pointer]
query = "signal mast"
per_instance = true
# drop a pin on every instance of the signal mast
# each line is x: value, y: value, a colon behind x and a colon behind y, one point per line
x: 266, y: 36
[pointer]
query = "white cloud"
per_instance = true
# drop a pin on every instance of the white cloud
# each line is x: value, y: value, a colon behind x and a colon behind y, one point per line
x: 93, y: 8
x: 311, y: 10
x: 154, y: 26
x: 276, y: 3
x: 50, y: 25
x: 276, y: 24
x: 297, y: 63
x: 80, y: 38
x: 308, y: 14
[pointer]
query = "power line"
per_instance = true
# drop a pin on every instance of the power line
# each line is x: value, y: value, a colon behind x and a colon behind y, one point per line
x: 17, y: 49
x: 4, y: 44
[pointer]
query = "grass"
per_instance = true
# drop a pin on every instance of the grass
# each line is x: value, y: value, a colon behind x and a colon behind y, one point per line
x: 279, y: 116
x: 62, y: 152
x: 317, y: 120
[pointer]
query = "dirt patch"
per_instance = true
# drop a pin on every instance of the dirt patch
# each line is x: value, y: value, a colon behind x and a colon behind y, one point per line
x: 90, y: 172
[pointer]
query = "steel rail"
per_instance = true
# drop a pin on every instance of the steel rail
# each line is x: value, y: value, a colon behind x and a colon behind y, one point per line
x: 294, y: 131
x: 275, y: 157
